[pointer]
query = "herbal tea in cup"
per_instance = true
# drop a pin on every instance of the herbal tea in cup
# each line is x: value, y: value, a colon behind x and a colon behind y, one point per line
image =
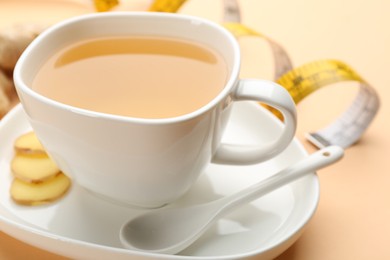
x: 133, y: 106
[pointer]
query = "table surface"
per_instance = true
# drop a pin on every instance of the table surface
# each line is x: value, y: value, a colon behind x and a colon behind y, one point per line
x: 353, y: 217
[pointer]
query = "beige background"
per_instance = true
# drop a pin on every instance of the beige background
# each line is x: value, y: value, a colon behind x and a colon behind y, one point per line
x: 353, y: 218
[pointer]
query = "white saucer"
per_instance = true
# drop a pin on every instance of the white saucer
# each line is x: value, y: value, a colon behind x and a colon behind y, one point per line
x: 83, y: 226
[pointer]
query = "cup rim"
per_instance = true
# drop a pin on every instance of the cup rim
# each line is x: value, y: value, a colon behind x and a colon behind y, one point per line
x: 21, y: 86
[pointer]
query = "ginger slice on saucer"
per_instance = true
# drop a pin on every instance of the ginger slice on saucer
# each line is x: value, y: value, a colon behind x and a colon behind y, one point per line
x: 33, y: 169
x: 32, y: 194
x: 28, y: 144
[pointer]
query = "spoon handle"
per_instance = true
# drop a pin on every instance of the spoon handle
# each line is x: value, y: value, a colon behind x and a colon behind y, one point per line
x: 313, y: 162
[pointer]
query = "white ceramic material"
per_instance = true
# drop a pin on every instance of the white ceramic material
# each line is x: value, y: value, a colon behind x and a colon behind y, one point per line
x: 171, y: 230
x: 145, y: 162
x: 83, y: 226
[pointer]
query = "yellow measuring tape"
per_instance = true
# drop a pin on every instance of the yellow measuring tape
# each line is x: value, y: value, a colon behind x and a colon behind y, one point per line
x: 105, y: 5
x: 170, y: 6
x: 300, y: 81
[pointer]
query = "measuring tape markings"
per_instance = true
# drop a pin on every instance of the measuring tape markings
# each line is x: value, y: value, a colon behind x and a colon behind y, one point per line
x: 302, y: 81
x: 349, y: 127
x: 231, y: 11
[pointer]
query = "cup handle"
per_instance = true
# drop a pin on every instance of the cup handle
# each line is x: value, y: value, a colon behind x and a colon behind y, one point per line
x: 274, y: 95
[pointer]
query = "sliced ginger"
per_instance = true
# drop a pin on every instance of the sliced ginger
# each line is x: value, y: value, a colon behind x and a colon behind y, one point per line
x: 37, y: 180
x: 28, y: 144
x: 33, y: 169
x: 39, y: 193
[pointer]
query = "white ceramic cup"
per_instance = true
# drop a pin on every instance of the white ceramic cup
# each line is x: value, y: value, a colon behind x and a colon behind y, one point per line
x: 145, y: 162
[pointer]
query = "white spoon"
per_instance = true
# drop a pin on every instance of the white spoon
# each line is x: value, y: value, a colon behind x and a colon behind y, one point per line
x: 171, y: 230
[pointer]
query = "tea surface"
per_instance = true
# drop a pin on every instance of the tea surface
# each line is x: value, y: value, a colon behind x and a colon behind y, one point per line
x: 144, y: 77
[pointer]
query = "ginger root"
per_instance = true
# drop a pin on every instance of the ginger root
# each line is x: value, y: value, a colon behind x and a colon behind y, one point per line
x: 14, y: 40
x: 7, y: 93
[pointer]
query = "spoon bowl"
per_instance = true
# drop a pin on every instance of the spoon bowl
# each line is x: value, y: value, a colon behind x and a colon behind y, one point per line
x: 169, y: 231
